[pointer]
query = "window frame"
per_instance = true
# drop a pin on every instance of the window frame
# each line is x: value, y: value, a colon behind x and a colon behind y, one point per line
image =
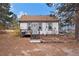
x: 50, y: 26
x: 40, y: 27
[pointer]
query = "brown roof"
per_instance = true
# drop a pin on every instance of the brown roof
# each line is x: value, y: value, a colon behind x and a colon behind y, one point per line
x: 38, y: 18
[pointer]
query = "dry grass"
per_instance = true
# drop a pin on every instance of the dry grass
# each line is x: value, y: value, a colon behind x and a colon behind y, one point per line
x: 15, y: 32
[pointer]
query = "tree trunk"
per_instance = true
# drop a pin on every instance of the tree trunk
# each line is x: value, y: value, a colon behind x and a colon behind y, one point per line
x: 77, y: 26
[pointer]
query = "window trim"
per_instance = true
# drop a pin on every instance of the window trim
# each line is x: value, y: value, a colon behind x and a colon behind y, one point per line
x: 50, y: 27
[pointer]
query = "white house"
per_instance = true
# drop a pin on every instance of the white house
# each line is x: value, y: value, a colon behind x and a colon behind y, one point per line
x: 34, y: 25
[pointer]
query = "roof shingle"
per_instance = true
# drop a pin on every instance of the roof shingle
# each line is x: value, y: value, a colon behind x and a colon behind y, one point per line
x: 38, y: 18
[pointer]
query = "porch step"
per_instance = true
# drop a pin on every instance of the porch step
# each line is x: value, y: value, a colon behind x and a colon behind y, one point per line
x: 35, y: 40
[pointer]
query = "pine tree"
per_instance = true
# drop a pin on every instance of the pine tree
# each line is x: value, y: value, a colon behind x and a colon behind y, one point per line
x: 6, y: 16
x: 72, y: 8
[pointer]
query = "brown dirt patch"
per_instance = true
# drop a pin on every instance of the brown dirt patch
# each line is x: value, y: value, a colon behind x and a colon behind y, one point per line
x: 10, y: 45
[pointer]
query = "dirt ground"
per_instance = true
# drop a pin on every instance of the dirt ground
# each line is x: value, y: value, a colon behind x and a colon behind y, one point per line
x: 16, y: 46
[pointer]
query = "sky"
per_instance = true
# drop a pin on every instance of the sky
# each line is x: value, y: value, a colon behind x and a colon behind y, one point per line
x: 31, y: 9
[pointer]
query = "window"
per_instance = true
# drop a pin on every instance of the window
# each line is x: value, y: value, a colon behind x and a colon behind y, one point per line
x: 29, y: 28
x: 40, y: 27
x: 49, y: 26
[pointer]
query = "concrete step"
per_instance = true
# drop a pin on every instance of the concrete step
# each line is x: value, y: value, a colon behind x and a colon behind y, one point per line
x: 35, y: 40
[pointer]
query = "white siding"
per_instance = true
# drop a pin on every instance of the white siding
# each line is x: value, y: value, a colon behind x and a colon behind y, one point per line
x: 23, y: 26
x: 55, y: 27
x: 46, y: 31
x: 35, y: 26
